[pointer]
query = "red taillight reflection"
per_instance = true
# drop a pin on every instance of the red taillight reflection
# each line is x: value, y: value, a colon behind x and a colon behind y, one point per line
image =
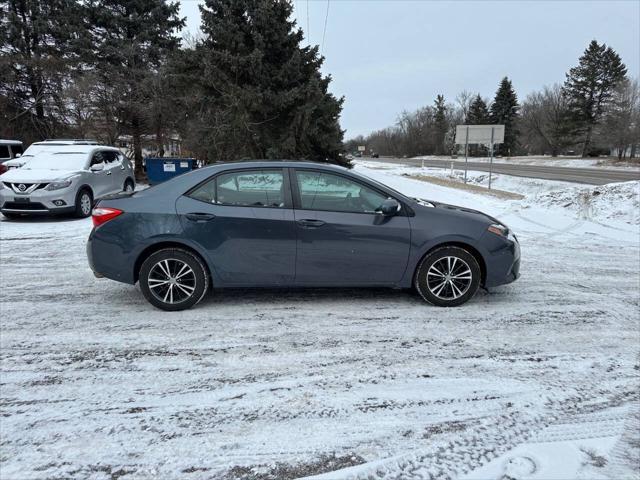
x: 101, y: 215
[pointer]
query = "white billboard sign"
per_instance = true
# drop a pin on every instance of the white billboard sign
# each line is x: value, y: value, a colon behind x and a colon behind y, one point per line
x: 479, y: 134
x: 361, y: 148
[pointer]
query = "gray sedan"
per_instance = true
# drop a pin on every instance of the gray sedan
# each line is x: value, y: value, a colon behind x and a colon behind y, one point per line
x: 294, y: 224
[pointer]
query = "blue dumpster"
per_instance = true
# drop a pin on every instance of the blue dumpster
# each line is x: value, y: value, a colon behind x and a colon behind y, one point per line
x: 160, y: 169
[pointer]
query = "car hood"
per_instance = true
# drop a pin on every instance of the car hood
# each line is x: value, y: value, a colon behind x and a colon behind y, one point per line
x: 457, y: 209
x: 24, y: 175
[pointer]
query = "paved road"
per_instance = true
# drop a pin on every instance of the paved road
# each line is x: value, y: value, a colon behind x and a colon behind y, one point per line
x: 593, y: 176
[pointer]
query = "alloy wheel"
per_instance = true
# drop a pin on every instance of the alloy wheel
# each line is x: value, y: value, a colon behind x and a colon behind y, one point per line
x: 449, y: 278
x: 172, y: 281
x: 85, y: 204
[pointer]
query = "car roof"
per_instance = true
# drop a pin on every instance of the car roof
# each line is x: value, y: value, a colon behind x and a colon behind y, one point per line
x: 67, y: 141
x: 10, y: 142
x: 277, y: 163
x: 54, y: 148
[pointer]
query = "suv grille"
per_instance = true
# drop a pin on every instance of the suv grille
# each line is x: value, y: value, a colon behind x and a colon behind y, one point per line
x: 25, y: 188
x: 24, y: 206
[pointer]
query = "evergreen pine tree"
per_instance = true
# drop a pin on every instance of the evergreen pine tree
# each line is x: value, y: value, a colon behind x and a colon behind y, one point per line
x: 39, y: 41
x: 504, y: 111
x: 590, y: 87
x: 262, y: 93
x: 478, y: 112
x: 478, y: 115
x: 441, y: 125
x: 131, y: 39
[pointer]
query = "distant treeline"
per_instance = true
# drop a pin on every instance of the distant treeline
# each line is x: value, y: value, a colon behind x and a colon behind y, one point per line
x: 246, y: 88
x: 595, y: 111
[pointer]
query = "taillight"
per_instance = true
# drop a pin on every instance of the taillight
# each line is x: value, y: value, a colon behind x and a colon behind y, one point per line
x: 3, y: 168
x: 101, y: 215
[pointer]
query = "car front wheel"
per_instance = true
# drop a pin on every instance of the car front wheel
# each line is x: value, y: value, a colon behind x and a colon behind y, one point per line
x: 173, y: 279
x: 448, y: 277
x: 84, y: 203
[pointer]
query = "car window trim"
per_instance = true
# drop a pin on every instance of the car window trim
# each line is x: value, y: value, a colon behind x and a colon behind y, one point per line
x: 288, y: 203
x: 297, y: 197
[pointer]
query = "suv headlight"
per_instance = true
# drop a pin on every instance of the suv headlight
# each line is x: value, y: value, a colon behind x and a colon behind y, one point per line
x: 58, y: 185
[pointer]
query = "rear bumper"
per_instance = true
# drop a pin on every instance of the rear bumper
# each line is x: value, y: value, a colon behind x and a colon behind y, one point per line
x: 107, y: 259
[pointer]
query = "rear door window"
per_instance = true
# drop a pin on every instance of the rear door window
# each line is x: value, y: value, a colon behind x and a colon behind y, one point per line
x: 4, y: 152
x: 247, y: 188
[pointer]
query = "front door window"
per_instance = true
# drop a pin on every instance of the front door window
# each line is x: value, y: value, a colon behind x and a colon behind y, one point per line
x: 335, y: 193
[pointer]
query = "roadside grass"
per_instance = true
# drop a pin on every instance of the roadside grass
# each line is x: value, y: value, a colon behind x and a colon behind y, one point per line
x: 445, y: 182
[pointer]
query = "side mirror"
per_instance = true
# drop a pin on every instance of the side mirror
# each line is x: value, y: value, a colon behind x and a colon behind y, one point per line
x: 389, y: 207
x: 18, y: 155
x: 97, y: 167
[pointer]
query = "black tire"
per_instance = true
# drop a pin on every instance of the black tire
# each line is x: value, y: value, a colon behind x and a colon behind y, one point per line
x: 81, y: 203
x: 128, y: 183
x: 453, y: 287
x: 162, y: 296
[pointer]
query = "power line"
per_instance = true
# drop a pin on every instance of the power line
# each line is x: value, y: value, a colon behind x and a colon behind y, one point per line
x: 308, y: 31
x: 324, y: 32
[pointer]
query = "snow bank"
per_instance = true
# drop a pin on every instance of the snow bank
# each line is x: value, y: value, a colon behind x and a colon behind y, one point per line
x: 614, y: 201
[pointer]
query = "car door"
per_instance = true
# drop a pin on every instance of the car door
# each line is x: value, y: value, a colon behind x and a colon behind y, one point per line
x: 118, y: 169
x: 114, y: 172
x: 244, y: 220
x: 100, y: 180
x: 341, y: 238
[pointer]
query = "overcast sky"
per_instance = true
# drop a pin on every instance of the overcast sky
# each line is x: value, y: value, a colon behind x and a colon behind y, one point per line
x: 389, y: 55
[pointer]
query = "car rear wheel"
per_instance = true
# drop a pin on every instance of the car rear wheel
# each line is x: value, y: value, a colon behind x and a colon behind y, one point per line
x: 84, y: 203
x: 128, y: 186
x: 173, y: 279
x: 448, y: 277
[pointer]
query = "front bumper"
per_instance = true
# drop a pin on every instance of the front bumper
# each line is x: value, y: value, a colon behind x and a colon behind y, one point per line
x: 38, y: 202
x: 503, y: 264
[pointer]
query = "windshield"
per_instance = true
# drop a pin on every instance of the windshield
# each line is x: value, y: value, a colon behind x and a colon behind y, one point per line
x: 58, y: 161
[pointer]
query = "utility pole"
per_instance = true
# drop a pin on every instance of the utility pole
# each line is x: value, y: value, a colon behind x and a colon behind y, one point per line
x: 491, y: 160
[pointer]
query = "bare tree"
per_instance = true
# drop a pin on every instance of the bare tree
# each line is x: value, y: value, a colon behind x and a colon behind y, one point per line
x: 463, y: 102
x: 621, y: 126
x: 544, y: 121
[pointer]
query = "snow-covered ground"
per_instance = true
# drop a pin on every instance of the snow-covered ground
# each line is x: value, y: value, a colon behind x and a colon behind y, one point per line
x: 537, y: 379
x: 560, y: 161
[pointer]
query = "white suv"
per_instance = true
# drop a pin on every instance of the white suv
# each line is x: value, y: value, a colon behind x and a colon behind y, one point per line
x: 65, y: 179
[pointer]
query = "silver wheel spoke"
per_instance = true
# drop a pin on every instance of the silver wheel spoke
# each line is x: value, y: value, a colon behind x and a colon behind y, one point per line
x: 453, y: 265
x: 186, y: 289
x: 182, y: 271
x: 166, y: 295
x: 440, y: 288
x: 164, y: 266
x: 456, y: 291
x: 459, y: 275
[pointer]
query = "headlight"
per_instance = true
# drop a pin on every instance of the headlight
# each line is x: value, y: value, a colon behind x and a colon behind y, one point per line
x: 502, y: 231
x: 58, y: 185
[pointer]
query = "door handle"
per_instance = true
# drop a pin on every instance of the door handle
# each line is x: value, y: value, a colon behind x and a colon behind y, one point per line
x: 109, y: 172
x: 308, y: 223
x: 200, y: 217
